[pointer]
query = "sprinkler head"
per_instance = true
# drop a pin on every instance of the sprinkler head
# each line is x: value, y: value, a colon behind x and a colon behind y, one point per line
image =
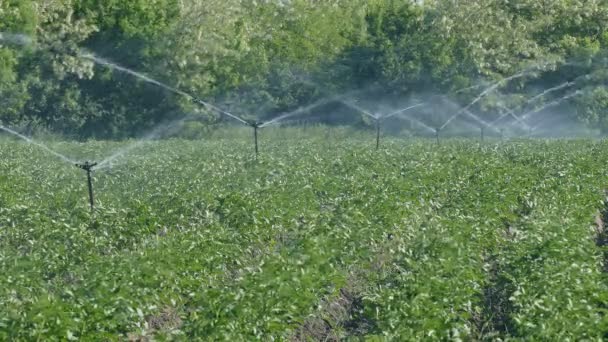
x: 87, y: 166
x: 254, y: 123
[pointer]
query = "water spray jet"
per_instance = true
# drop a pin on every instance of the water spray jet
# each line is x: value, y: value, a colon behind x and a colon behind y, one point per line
x: 40, y: 145
x: 88, y: 167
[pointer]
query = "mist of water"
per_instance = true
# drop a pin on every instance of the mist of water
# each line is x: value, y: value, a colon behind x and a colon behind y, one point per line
x: 417, y: 122
x: 513, y: 115
x: 483, y: 94
x: 494, y: 87
x: 155, y: 133
x: 494, y: 122
x: 15, y: 38
x: 458, y: 91
x: 551, y: 104
x: 402, y: 110
x: 42, y: 146
x: 479, y: 120
x: 147, y: 79
x: 359, y: 109
x: 550, y: 90
x: 302, y: 110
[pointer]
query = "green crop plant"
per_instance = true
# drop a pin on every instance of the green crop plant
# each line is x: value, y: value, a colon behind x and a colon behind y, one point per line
x: 196, y: 240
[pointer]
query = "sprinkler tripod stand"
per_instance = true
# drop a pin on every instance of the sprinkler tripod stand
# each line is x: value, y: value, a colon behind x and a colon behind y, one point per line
x: 481, y: 132
x: 88, y: 167
x: 255, y: 125
x: 502, y: 134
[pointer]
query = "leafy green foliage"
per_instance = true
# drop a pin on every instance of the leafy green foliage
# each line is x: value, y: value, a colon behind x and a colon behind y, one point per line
x: 263, y: 58
x: 196, y: 240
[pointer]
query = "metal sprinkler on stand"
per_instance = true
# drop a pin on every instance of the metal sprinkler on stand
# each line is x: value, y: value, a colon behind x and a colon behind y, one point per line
x: 255, y: 125
x: 502, y: 134
x: 377, y: 133
x: 88, y: 167
x: 437, y: 130
x: 481, y: 131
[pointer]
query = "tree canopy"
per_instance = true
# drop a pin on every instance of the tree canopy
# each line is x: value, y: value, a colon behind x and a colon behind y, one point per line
x: 262, y: 58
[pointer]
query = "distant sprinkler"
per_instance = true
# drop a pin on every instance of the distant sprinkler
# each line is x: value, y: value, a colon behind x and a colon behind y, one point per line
x: 481, y: 132
x: 502, y: 134
x: 88, y: 167
x: 255, y: 125
x: 437, y: 130
x: 377, y: 134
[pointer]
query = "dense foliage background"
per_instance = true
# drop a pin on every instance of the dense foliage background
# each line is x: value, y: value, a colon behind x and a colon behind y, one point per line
x: 261, y: 58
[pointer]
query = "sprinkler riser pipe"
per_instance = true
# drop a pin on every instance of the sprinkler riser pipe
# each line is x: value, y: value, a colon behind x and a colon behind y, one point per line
x: 90, y: 183
x: 377, y: 134
x: 255, y: 137
x: 88, y: 167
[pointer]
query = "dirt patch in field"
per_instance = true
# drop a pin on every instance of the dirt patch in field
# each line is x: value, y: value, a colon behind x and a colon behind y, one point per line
x: 601, y: 231
x: 165, y: 321
x: 494, y: 320
x: 342, y: 315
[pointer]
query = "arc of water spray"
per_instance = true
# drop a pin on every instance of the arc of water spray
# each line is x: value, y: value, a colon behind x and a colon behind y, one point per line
x: 551, y: 104
x: 513, y: 115
x: 458, y: 91
x: 494, y: 122
x: 359, y: 109
x: 107, y: 162
x: 417, y: 122
x: 402, y: 110
x: 31, y: 141
x: 301, y: 110
x: 484, y: 94
x: 141, y: 76
x: 479, y: 120
x: 550, y: 90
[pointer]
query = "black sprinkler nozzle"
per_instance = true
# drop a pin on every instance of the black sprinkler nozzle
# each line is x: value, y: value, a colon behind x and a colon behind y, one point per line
x: 255, y: 123
x: 87, y: 166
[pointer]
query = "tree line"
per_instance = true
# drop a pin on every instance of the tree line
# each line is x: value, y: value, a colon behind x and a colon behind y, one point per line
x: 262, y: 58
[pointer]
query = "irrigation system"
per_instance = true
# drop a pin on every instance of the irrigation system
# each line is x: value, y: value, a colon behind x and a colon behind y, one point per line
x: 377, y: 118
